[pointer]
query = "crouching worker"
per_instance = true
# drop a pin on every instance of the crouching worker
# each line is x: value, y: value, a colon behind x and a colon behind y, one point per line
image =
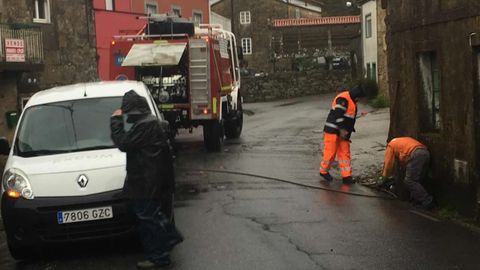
x: 414, y: 156
x: 150, y: 177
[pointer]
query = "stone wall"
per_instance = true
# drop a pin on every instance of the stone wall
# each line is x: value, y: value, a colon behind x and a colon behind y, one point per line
x: 282, y: 85
x: 8, y: 101
x: 382, y: 59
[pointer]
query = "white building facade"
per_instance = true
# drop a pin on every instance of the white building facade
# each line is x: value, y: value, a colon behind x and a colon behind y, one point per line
x: 226, y: 23
x: 369, y: 39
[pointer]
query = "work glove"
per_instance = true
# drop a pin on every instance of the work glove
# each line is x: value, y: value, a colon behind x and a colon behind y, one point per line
x: 384, y: 182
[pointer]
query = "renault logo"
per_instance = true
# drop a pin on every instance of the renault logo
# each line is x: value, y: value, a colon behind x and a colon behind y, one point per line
x: 82, y: 180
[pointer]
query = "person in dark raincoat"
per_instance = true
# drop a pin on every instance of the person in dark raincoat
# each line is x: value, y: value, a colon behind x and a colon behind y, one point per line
x: 150, y: 177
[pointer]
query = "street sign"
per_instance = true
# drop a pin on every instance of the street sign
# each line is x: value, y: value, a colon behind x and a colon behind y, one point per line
x: 119, y: 60
x: 14, y: 50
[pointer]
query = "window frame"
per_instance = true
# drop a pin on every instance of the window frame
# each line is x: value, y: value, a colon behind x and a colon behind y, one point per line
x: 110, y: 5
x: 151, y: 4
x: 298, y: 13
x: 176, y: 8
x: 434, y: 117
x: 197, y: 12
x: 368, y: 25
x: 369, y: 70
x: 245, y: 17
x: 247, y: 47
x: 36, y: 15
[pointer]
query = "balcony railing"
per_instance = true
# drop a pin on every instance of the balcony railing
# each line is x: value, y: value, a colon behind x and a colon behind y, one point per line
x: 316, y: 21
x: 32, y: 43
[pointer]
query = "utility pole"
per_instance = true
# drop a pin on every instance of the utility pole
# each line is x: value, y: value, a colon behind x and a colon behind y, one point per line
x: 288, y: 9
x: 232, y: 16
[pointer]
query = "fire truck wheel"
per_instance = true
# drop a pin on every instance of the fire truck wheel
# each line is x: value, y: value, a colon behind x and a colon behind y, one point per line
x: 233, y: 126
x: 213, y: 134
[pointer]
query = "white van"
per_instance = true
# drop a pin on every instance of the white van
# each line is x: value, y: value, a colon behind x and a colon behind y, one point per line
x: 64, y: 177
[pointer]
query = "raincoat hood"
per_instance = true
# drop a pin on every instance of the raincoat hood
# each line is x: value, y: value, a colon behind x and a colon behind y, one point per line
x: 356, y: 92
x: 132, y: 104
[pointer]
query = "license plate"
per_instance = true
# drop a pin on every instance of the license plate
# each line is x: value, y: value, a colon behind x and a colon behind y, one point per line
x: 83, y: 215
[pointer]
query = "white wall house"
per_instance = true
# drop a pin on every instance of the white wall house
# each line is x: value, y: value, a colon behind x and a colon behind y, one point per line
x: 226, y: 23
x: 369, y: 39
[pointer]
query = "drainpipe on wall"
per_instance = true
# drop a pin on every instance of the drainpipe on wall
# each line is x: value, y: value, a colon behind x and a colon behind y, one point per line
x: 470, y: 37
x: 477, y: 209
x: 232, y: 23
x: 209, y: 12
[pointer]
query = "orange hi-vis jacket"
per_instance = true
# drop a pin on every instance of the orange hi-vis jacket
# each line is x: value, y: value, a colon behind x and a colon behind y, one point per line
x: 342, y: 114
x: 400, y: 148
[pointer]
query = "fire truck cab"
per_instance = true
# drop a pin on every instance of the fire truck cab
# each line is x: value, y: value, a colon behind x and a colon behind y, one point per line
x: 192, y: 73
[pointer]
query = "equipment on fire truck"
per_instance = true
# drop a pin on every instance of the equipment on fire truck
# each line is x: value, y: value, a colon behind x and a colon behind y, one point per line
x: 192, y: 72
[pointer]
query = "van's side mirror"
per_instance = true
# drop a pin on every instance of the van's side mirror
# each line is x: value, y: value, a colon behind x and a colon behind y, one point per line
x: 4, y: 146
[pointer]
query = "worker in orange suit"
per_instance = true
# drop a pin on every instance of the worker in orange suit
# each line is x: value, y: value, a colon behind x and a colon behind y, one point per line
x: 337, y: 131
x: 414, y: 156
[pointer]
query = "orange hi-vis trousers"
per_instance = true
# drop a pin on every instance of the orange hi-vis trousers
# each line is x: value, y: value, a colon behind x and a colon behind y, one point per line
x: 336, y: 146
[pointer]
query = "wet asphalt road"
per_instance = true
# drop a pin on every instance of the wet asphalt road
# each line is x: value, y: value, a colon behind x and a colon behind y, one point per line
x: 233, y: 221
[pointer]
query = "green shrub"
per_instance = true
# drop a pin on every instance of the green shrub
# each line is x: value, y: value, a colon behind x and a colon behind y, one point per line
x: 369, y: 86
x: 380, y: 101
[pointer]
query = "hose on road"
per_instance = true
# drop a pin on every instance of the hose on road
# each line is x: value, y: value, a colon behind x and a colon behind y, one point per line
x: 288, y: 182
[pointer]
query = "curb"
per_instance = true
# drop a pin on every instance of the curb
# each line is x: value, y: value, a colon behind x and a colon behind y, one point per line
x: 248, y: 112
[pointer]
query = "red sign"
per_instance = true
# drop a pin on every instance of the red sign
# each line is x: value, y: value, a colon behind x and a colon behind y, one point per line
x: 15, y: 50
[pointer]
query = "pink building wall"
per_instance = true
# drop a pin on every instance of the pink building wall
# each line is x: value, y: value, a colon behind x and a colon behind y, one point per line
x: 123, y: 18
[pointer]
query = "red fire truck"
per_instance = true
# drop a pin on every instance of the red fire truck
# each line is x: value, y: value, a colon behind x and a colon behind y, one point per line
x: 192, y: 72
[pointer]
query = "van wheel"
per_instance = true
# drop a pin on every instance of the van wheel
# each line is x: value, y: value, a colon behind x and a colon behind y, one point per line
x: 213, y: 134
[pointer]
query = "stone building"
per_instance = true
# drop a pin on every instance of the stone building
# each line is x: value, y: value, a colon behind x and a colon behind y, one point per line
x: 44, y: 43
x: 333, y: 41
x: 253, y: 24
x: 434, y: 78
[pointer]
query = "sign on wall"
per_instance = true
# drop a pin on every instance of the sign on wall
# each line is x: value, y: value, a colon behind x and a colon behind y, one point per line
x: 119, y: 60
x: 224, y: 48
x: 14, y: 50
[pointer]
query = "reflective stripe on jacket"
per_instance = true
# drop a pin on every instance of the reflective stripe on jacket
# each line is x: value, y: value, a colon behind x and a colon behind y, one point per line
x: 342, y: 115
